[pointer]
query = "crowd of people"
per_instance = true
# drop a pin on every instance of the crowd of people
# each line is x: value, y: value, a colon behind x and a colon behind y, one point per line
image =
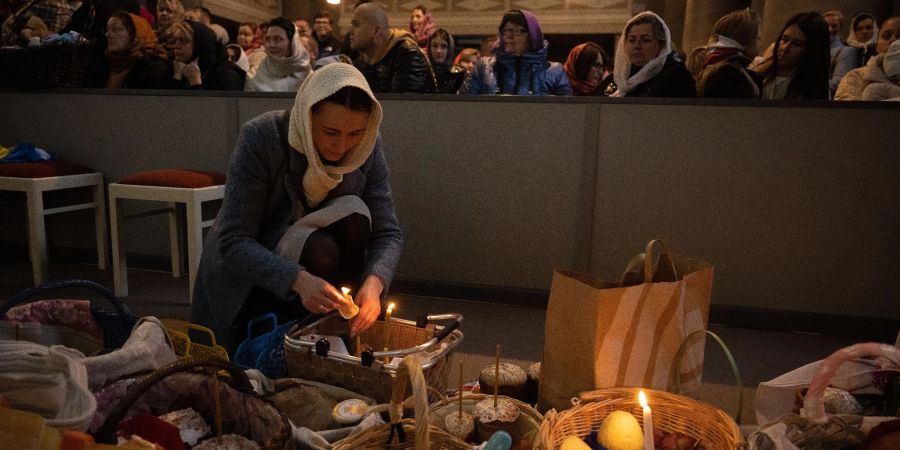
x: 173, y: 48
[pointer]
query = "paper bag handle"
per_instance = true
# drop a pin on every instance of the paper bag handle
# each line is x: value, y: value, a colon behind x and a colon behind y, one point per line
x: 664, y: 256
x: 676, y: 378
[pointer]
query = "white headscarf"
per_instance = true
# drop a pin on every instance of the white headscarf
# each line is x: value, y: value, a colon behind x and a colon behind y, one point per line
x: 283, y: 66
x: 851, y: 39
x: 320, y: 84
x: 623, y: 62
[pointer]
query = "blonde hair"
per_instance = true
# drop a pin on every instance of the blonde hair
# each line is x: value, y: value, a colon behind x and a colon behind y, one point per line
x: 742, y: 26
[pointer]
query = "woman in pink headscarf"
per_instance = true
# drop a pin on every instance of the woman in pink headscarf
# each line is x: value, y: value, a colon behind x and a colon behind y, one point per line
x: 421, y: 25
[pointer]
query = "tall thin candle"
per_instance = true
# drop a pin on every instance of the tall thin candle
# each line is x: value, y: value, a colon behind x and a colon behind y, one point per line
x: 648, y: 421
x: 497, y: 376
x: 460, y: 389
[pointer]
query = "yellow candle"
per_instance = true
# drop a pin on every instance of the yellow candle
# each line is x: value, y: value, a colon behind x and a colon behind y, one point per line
x: 348, y: 310
x: 648, y: 421
x: 387, y: 329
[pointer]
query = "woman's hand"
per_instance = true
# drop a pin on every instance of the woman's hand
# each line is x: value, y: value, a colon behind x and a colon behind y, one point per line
x: 316, y: 295
x: 369, y: 300
x: 191, y: 73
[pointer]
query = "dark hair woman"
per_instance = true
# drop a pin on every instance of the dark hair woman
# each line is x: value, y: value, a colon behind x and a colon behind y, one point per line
x: 798, y: 64
x: 441, y: 50
x: 587, y: 68
x: 308, y: 208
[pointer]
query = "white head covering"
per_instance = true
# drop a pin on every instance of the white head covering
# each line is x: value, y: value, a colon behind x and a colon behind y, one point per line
x: 891, y: 62
x: 623, y: 62
x: 851, y: 38
x: 297, y: 61
x: 320, y: 84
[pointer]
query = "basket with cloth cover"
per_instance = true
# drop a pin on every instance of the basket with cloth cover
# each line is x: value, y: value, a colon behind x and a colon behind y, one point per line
x: 812, y: 427
x: 309, y: 356
x: 194, y: 383
x: 78, y: 324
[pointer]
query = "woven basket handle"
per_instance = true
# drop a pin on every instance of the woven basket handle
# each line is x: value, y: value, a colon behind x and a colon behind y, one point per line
x: 676, y: 379
x: 410, y: 371
x: 814, y: 402
x: 22, y: 296
x: 238, y: 379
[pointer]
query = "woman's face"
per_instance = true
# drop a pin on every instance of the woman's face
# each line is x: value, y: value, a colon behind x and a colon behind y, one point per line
x: 864, y: 30
x: 117, y: 35
x: 515, y: 39
x: 595, y: 72
x: 439, y: 49
x: 416, y: 19
x: 890, y: 32
x: 277, y: 43
x: 164, y: 15
x: 337, y: 129
x: 183, y: 48
x: 791, y: 47
x: 245, y: 36
x: 640, y: 44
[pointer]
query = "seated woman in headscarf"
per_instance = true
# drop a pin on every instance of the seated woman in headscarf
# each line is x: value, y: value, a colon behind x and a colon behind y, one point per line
x: 421, y: 25
x: 286, y: 63
x: 857, y: 80
x: 646, y: 66
x: 519, y: 65
x: 251, y: 40
x: 307, y: 209
x: 587, y: 69
x: 440, y: 53
x: 201, y: 61
x: 134, y: 58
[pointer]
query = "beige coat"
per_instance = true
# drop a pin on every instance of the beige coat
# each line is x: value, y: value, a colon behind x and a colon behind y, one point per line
x: 854, y: 83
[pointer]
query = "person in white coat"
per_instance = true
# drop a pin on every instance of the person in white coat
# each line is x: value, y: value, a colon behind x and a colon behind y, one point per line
x: 287, y: 61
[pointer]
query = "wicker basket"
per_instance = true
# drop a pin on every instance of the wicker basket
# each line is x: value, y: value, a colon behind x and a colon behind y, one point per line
x: 185, y: 348
x: 404, y: 433
x: 712, y: 427
x: 49, y: 66
x: 371, y: 376
x: 527, y: 427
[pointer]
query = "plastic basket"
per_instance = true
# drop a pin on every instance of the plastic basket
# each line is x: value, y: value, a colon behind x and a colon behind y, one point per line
x: 368, y: 374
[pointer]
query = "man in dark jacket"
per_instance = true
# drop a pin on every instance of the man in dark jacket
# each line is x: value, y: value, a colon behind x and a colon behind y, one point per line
x: 390, y: 59
x: 328, y: 44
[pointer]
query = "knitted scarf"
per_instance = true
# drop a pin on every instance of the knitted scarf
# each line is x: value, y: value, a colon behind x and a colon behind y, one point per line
x: 319, y: 179
x: 622, y: 68
x: 143, y: 45
x: 580, y: 86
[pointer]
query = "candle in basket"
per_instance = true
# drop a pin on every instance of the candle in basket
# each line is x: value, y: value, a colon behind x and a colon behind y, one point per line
x: 387, y: 329
x: 348, y: 310
x: 648, y: 421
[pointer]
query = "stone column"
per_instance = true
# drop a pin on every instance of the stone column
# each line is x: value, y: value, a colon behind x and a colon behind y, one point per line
x: 701, y: 15
x: 674, y: 17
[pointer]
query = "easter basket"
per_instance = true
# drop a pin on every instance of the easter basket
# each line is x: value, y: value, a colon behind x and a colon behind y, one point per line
x: 812, y: 427
x: 403, y: 433
x: 527, y: 427
x: 672, y: 413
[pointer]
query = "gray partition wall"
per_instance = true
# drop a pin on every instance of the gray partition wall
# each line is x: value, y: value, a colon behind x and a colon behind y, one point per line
x: 793, y: 203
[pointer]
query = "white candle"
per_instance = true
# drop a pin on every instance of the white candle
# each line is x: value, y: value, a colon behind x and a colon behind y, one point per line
x: 648, y: 422
x: 346, y: 292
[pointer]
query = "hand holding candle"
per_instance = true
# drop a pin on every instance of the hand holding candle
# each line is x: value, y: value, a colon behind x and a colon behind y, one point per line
x: 648, y: 421
x: 349, y: 309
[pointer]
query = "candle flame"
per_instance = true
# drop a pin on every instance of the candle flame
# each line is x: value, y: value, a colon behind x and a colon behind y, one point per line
x: 345, y: 290
x: 390, y: 307
x: 642, y: 398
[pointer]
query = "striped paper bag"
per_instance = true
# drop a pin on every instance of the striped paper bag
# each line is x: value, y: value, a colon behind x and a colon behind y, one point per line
x: 602, y: 334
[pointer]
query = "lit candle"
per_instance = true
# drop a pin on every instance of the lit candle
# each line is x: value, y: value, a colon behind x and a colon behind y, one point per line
x: 347, y: 295
x: 648, y: 421
x: 348, y: 310
x: 387, y: 329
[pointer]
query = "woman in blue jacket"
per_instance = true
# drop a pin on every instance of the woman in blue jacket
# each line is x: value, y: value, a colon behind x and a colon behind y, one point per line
x: 520, y: 65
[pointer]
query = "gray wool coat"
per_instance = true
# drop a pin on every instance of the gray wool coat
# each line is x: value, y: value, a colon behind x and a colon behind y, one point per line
x: 262, y: 198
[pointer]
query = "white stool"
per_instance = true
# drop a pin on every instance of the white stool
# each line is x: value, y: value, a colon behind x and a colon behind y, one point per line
x: 35, y: 178
x: 185, y: 189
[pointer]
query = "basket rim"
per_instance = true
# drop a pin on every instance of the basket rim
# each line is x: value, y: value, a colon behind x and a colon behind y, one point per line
x: 698, y: 408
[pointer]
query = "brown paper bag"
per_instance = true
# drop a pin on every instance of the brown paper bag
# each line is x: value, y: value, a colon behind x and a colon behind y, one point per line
x: 626, y: 334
